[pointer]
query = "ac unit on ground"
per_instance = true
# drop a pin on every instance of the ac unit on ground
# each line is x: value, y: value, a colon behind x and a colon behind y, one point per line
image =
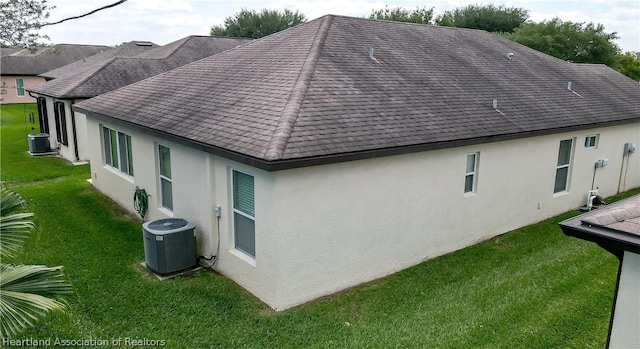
x: 169, y: 245
x: 38, y: 143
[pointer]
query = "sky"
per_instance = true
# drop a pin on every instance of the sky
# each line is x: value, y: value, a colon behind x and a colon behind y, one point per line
x: 164, y: 21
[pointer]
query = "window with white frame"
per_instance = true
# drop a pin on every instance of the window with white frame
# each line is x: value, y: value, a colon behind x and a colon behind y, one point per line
x: 20, y: 87
x: 117, y: 150
x: 244, y: 215
x: 563, y: 167
x: 470, y: 178
x: 591, y: 142
x: 166, y: 184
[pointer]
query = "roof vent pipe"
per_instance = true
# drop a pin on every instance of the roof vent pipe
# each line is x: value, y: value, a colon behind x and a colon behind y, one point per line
x: 372, y: 57
x: 510, y: 55
x: 569, y: 86
x: 495, y: 104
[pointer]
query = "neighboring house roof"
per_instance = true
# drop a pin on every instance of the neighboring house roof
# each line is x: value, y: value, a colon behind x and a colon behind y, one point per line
x: 129, y: 49
x: 615, y: 227
x: 312, y: 94
x: 121, y: 71
x: 44, y: 59
x: 5, y: 51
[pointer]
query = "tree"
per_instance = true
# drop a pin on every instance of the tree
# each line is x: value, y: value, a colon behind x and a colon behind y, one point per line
x: 490, y: 17
x: 399, y: 14
x: 21, y: 20
x: 575, y: 42
x: 25, y: 290
x: 253, y: 24
x: 629, y: 65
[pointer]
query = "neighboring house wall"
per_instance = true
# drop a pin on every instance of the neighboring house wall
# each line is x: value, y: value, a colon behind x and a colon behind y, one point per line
x: 11, y: 93
x: 81, y: 134
x: 73, y: 122
x: 626, y: 321
x: 321, y: 229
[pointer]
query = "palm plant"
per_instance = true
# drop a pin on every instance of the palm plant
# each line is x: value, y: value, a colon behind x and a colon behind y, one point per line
x: 25, y: 290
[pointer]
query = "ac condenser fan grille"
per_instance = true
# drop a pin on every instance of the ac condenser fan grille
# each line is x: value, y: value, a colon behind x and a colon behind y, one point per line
x: 167, y: 224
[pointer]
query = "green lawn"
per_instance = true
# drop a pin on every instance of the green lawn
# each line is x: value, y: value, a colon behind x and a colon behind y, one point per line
x: 530, y: 288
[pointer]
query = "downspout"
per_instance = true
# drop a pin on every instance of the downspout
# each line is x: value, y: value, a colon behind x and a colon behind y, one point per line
x: 39, y: 116
x: 73, y: 130
x: 621, y: 170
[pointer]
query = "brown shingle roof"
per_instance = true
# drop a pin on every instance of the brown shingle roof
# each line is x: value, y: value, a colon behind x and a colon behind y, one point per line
x: 624, y: 217
x: 615, y: 227
x: 110, y: 74
x: 313, y: 92
x: 45, y: 59
x: 129, y: 49
x: 5, y: 51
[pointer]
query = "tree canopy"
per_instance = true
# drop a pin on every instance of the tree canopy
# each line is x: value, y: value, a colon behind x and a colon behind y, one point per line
x: 569, y: 41
x: 21, y: 20
x: 575, y: 42
x: 490, y: 17
x: 253, y: 24
x: 629, y: 65
x: 399, y: 14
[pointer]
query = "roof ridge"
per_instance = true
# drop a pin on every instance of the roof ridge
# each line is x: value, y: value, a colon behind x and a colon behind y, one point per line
x: 175, y: 49
x: 280, y: 139
x: 75, y: 86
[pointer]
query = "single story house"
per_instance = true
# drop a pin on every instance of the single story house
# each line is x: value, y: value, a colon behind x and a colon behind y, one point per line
x: 345, y: 149
x: 616, y: 228
x: 19, y: 71
x: 47, y: 106
x: 127, y: 49
x: 76, y: 82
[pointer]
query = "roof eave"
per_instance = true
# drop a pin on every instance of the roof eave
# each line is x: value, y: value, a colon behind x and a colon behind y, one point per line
x: 615, y: 242
x: 19, y: 74
x: 285, y: 164
x: 63, y: 96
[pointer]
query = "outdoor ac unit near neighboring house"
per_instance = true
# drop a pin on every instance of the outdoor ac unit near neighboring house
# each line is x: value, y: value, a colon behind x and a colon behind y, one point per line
x: 38, y: 143
x: 169, y: 245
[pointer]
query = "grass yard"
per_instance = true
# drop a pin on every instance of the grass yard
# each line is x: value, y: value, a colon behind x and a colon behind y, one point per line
x: 530, y: 288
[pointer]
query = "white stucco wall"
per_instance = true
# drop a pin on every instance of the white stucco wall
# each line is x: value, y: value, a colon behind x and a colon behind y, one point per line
x: 200, y: 182
x: 81, y: 133
x: 68, y: 151
x: 346, y: 223
x: 321, y: 229
x: 259, y: 275
x: 625, y: 330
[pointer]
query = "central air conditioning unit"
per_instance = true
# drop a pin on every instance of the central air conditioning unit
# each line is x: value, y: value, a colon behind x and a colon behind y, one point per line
x: 38, y: 143
x: 169, y: 245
